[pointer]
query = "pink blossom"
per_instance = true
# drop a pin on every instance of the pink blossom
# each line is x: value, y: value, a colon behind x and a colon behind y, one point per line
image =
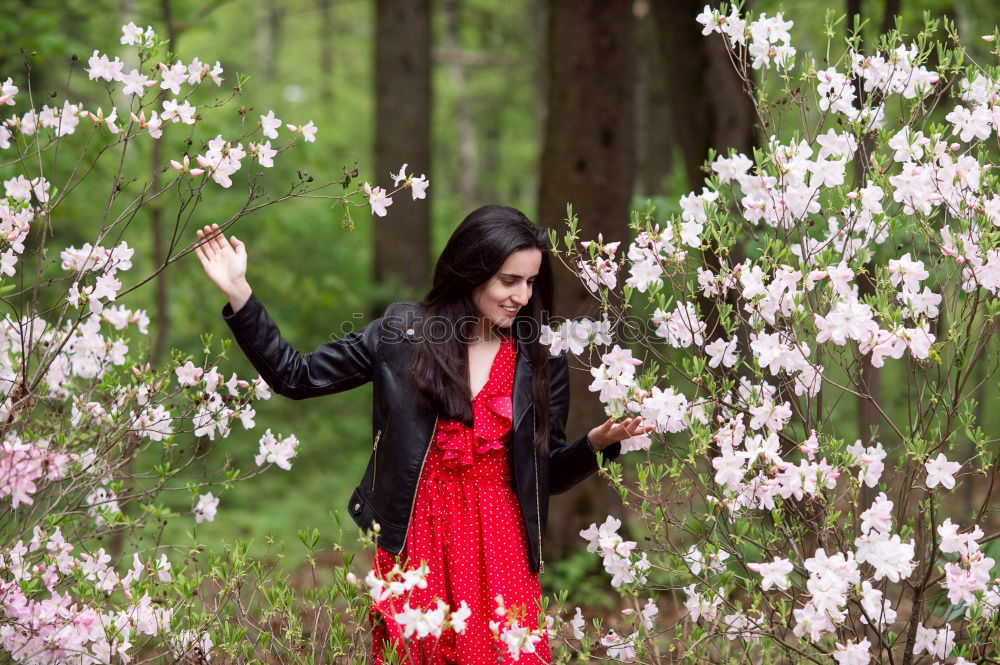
x: 269, y: 125
x: 853, y: 654
x: 136, y: 83
x: 131, y: 34
x: 178, y: 112
x: 666, y: 408
x: 206, y: 507
x: 870, y: 460
x: 906, y: 272
x: 722, y: 352
x: 276, y: 450
x: 173, y: 77
x: 99, y: 67
x: 941, y: 471
x: 878, y: 610
x: 888, y: 555
x: 154, y: 123
x: 774, y: 573
x: 970, y: 124
x: 109, y: 121
x: 419, y: 187
x: 399, y: 177
x: 189, y: 374
x: 681, y: 327
x: 879, y: 516
x: 307, y: 130
x: 184, y: 166
x: 377, y: 199
x: 265, y: 153
x: 620, y: 648
x: 7, y: 92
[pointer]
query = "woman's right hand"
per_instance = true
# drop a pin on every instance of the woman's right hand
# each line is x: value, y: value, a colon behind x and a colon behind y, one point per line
x: 225, y: 263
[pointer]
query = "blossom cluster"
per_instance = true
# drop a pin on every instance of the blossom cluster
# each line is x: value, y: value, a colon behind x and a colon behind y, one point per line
x: 511, y: 630
x: 57, y: 628
x: 82, y: 406
x: 770, y: 41
x: 397, y: 582
x: 220, y: 161
x: 616, y: 552
x: 379, y: 199
x: 872, y: 241
x: 600, y: 269
x: 576, y: 335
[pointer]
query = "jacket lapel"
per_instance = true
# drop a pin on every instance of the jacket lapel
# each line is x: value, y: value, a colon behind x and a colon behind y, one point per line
x: 522, y: 383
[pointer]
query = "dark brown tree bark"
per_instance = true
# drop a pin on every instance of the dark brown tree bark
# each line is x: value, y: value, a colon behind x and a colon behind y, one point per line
x: 869, y: 377
x: 654, y: 145
x: 709, y: 106
x: 466, y: 158
x: 402, y: 135
x: 892, y: 9
x: 156, y: 211
x: 588, y: 160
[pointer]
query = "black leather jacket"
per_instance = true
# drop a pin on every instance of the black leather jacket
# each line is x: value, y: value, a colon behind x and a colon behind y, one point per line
x: 401, y: 431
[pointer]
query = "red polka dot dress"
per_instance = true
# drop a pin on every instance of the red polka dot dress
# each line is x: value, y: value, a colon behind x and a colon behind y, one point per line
x: 467, y: 527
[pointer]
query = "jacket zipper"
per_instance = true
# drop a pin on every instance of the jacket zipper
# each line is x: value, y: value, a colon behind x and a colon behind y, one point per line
x: 375, y: 459
x: 538, y: 517
x: 420, y: 473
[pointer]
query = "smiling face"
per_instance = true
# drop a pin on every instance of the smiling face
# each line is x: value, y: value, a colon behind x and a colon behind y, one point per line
x: 503, y: 295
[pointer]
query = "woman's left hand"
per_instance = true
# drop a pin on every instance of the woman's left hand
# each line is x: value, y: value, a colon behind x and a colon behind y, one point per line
x: 610, y: 431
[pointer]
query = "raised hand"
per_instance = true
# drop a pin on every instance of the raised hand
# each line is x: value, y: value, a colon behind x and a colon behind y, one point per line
x: 225, y: 263
x: 610, y: 431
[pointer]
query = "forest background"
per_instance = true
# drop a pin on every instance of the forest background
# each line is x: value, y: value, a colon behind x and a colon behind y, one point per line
x: 610, y: 106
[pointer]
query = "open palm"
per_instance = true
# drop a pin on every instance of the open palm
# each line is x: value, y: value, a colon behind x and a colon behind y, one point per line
x: 611, y: 431
x: 224, y: 261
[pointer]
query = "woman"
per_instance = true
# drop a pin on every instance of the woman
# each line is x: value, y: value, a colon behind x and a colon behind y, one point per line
x: 469, y: 412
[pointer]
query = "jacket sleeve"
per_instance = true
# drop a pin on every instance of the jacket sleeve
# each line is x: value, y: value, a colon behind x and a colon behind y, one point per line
x: 568, y: 463
x: 333, y: 367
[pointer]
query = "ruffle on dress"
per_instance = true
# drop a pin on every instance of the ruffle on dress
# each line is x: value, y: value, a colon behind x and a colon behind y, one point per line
x: 493, y: 412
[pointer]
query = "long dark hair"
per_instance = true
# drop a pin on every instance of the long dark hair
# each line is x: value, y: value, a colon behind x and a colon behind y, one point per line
x: 474, y: 254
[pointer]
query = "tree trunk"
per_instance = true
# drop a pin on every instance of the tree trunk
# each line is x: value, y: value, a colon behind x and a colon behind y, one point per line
x: 869, y: 377
x: 893, y: 8
x: 162, y: 327
x: 326, y: 51
x: 466, y: 157
x: 402, y: 135
x: 268, y: 35
x: 654, y: 157
x: 156, y: 211
x: 709, y: 107
x: 588, y: 160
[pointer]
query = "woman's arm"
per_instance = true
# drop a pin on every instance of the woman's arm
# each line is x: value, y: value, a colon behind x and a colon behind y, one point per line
x: 571, y: 463
x: 568, y: 463
x: 332, y: 367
